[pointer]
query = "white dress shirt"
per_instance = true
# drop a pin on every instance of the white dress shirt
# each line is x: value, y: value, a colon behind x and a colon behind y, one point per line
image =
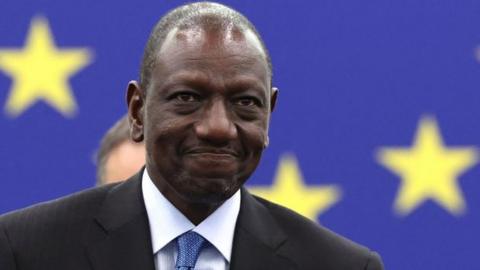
x: 167, y: 223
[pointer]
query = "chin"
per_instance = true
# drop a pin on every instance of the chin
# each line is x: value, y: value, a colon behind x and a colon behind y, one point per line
x: 209, y: 190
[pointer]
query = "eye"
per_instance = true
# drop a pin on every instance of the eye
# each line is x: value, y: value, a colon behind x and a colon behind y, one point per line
x: 186, y: 97
x: 247, y: 101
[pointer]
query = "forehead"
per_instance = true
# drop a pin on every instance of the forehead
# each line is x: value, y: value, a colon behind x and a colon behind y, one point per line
x: 224, y: 35
x: 228, y: 51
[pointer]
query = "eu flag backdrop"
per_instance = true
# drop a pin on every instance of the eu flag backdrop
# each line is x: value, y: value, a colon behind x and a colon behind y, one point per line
x: 376, y: 133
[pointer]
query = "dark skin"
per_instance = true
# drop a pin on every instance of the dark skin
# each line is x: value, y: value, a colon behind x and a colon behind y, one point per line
x: 204, y: 117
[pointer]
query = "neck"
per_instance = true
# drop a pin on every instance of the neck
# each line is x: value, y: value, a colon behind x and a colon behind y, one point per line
x: 195, y: 211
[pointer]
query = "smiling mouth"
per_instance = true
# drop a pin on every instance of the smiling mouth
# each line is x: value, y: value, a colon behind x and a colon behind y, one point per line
x: 212, y: 152
x: 213, y: 157
x: 211, y: 162
x: 207, y: 156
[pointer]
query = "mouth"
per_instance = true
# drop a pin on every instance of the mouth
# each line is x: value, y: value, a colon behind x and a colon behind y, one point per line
x: 212, y: 159
x: 212, y: 152
x: 213, y: 162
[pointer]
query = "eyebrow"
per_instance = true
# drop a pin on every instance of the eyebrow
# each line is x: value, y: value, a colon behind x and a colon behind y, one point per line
x: 245, y: 83
x: 188, y: 76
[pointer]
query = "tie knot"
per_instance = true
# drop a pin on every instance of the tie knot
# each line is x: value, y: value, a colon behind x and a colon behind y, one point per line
x: 189, y: 245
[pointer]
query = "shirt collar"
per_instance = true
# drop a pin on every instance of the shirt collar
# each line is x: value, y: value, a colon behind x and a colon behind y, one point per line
x: 167, y: 222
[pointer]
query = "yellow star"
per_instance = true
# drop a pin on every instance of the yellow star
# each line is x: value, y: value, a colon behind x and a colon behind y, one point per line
x: 429, y: 170
x: 289, y: 190
x: 41, y: 71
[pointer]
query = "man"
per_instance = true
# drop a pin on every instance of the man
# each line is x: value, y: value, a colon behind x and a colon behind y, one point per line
x: 118, y: 157
x: 203, y: 107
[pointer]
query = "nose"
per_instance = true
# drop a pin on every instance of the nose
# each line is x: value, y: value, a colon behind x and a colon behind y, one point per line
x: 215, y: 124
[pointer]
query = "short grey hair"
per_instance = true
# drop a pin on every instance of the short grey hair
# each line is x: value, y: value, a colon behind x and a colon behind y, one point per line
x: 205, y: 14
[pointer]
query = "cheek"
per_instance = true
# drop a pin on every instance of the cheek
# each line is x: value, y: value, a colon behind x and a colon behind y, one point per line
x: 254, y: 137
x: 158, y: 125
x: 163, y: 135
x: 162, y: 124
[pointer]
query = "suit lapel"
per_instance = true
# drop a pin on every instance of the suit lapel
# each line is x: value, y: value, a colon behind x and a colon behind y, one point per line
x: 258, y: 238
x: 121, y: 241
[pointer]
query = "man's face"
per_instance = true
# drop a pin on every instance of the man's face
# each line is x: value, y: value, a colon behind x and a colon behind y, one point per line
x: 206, y: 113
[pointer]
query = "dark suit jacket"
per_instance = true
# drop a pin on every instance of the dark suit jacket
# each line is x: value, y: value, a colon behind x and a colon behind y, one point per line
x: 107, y: 228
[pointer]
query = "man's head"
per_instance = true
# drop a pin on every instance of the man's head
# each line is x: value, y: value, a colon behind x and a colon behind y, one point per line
x: 203, y: 103
x: 118, y: 157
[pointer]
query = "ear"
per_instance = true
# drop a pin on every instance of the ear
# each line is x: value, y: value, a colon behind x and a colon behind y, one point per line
x: 136, y: 104
x: 273, y: 98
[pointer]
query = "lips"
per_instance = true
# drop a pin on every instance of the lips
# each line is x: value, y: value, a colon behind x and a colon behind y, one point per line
x: 211, y: 161
x: 212, y: 152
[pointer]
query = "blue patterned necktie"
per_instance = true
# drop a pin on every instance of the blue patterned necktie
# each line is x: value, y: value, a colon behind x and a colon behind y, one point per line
x: 189, y: 245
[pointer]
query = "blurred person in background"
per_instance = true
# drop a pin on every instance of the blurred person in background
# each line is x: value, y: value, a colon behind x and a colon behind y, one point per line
x: 118, y: 156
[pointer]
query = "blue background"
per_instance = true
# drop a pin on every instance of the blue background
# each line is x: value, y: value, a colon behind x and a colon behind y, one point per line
x: 354, y: 76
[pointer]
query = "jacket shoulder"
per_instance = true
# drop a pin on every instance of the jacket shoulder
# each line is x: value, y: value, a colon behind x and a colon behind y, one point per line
x: 58, y: 213
x: 51, y: 234
x: 314, y: 244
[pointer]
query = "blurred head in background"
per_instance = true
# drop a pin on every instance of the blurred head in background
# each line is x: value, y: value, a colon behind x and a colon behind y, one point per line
x: 118, y: 157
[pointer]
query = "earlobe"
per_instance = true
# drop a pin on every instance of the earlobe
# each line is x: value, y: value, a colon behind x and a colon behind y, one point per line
x: 135, y: 103
x: 273, y: 98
